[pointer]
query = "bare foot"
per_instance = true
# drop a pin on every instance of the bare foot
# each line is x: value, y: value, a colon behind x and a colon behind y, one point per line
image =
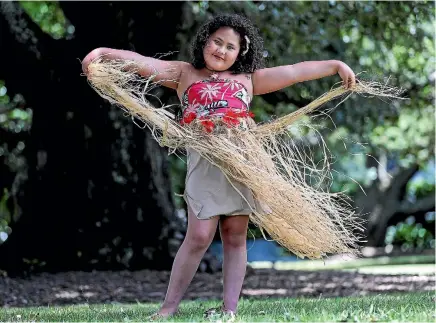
x: 229, y: 316
x: 221, y: 311
x: 161, y: 315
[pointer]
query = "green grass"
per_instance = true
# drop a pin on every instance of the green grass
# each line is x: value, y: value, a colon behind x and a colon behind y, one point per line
x: 407, y: 263
x: 415, y: 269
x: 410, y: 307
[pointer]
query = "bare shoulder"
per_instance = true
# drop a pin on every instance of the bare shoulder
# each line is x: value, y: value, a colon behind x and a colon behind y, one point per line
x: 166, y: 73
x: 175, y: 70
x: 185, y: 68
x: 264, y: 79
x: 188, y: 75
x: 179, y: 68
x: 259, y: 74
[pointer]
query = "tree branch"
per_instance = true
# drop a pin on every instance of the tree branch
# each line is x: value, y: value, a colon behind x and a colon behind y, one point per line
x: 399, y: 182
x: 421, y: 206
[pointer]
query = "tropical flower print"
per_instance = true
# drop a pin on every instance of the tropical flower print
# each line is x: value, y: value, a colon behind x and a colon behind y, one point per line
x: 210, y: 91
x: 232, y: 85
x: 228, y: 99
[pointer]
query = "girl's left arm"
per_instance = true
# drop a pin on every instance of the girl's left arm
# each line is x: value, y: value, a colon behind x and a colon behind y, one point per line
x: 272, y: 79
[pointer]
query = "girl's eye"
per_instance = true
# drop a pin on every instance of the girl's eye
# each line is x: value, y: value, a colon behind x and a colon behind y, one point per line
x: 217, y: 42
x: 230, y: 47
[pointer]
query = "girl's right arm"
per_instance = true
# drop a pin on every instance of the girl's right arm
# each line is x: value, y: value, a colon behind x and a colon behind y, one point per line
x: 272, y: 79
x: 167, y: 73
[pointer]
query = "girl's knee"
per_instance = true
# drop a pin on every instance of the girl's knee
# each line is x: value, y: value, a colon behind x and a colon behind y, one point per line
x: 200, y: 240
x: 234, y: 238
x: 234, y: 231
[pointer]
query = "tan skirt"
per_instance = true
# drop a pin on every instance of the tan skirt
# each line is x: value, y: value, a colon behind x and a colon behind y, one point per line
x: 209, y: 193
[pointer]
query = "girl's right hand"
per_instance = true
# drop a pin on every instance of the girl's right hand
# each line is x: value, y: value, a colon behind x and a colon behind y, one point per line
x: 89, y: 58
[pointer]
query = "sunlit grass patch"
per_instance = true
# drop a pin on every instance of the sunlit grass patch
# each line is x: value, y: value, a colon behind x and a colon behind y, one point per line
x: 410, y: 307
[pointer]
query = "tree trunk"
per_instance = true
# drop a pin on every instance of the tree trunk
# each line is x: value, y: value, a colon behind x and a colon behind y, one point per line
x: 98, y: 194
x: 384, y: 203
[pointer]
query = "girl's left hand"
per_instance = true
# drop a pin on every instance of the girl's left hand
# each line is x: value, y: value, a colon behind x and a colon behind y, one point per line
x: 347, y: 76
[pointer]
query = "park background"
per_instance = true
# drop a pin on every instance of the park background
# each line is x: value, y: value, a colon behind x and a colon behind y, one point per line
x: 85, y: 190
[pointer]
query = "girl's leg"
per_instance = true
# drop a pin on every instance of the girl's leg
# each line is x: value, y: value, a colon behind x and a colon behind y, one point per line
x: 199, y: 236
x: 233, y: 231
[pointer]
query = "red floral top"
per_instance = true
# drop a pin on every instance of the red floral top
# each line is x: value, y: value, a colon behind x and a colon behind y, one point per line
x: 224, y: 98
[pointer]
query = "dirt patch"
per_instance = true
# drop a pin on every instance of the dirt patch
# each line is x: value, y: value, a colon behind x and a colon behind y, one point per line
x: 145, y: 286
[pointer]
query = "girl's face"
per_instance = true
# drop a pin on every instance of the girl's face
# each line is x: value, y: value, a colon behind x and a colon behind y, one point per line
x: 222, y: 49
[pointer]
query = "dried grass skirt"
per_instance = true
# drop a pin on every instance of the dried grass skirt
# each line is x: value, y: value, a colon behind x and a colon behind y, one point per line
x: 302, y: 216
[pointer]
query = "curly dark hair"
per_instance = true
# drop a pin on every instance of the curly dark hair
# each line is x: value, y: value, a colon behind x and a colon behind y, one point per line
x: 247, y: 63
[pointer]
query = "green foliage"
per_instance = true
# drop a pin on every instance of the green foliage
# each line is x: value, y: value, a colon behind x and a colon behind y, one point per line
x: 410, y: 235
x: 49, y: 16
x: 4, y: 98
x: 5, y: 217
x: 14, y: 119
x: 178, y: 173
x: 423, y: 185
x: 421, y: 188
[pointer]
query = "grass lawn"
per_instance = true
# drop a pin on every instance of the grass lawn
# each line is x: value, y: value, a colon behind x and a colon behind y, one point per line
x: 412, y: 265
x: 410, y: 307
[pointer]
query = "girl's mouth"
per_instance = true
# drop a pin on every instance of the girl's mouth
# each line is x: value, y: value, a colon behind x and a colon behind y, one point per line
x: 217, y: 57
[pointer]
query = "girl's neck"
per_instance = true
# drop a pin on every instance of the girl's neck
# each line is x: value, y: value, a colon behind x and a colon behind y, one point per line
x: 214, y: 74
x: 210, y: 70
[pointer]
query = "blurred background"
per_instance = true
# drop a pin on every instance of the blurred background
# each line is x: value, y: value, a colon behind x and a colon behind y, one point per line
x: 83, y: 188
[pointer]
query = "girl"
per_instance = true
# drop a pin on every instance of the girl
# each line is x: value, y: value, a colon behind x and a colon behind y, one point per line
x: 225, y: 72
